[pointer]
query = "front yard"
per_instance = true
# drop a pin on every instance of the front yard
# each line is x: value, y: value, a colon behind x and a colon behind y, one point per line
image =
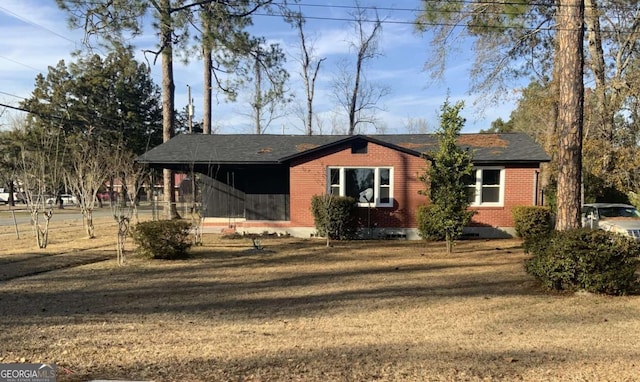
x: 298, y: 311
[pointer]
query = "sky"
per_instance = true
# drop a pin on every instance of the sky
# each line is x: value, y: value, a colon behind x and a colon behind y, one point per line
x: 35, y: 35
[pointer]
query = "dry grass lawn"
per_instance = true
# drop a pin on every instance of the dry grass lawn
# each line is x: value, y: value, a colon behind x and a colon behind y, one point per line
x: 298, y: 311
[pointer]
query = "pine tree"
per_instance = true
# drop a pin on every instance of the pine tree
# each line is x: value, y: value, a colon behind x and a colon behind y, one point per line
x: 447, y: 178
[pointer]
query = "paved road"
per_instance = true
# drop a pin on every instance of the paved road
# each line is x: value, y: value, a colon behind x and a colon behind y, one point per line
x: 68, y: 213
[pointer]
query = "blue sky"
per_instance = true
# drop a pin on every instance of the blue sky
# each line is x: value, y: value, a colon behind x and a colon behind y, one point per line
x: 35, y: 36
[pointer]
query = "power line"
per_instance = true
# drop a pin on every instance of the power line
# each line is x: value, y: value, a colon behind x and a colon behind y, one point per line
x: 490, y: 11
x: 20, y: 63
x: 11, y: 95
x: 464, y: 15
x: 25, y: 20
x: 52, y: 116
x: 461, y: 2
x: 28, y: 111
x: 415, y: 23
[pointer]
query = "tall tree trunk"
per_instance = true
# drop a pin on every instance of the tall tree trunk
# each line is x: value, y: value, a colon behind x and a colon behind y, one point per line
x: 206, y: 122
x: 603, y: 119
x: 12, y: 188
x: 309, y: 122
x: 354, y: 96
x: 207, y: 62
x: 596, y: 62
x: 168, y: 90
x: 569, y: 50
x: 309, y: 72
x: 257, y: 107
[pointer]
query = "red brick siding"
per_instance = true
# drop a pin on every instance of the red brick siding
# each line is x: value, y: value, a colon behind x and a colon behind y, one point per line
x: 309, y: 177
x: 519, y: 186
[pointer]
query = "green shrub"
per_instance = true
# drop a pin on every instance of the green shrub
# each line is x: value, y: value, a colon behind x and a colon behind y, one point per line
x: 164, y: 239
x: 532, y: 221
x: 593, y: 260
x: 429, y: 223
x: 335, y: 216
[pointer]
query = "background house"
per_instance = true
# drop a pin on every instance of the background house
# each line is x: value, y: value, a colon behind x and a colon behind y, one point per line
x: 256, y: 183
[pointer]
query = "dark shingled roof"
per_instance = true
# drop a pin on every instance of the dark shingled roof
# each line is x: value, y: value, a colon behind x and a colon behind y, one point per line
x: 275, y: 149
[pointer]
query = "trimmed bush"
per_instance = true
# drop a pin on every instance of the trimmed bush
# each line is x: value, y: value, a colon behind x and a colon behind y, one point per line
x: 335, y: 216
x: 532, y: 221
x: 164, y: 239
x: 429, y: 223
x: 593, y: 260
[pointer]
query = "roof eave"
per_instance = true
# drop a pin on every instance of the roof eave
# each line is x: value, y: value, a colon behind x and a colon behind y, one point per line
x: 351, y: 138
x: 510, y: 161
x: 205, y: 163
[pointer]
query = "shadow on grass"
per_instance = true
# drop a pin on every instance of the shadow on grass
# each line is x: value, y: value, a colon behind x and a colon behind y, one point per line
x: 285, y: 283
x: 31, y: 264
x: 384, y: 361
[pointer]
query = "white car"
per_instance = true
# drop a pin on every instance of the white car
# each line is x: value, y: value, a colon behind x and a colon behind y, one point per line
x: 615, y: 217
x: 67, y: 200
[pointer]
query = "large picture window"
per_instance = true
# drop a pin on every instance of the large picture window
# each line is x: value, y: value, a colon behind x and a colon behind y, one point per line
x: 370, y: 186
x: 486, y: 186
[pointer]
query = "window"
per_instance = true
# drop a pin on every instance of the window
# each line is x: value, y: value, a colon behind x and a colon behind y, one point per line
x: 370, y: 186
x: 486, y: 187
x: 334, y: 181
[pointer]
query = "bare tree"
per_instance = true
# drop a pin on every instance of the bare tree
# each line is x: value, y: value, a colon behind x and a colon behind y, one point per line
x: 320, y: 123
x: 90, y: 165
x: 337, y: 125
x: 309, y: 67
x: 269, y: 95
x: 352, y: 91
x: 125, y: 211
x: 39, y: 169
x: 416, y: 125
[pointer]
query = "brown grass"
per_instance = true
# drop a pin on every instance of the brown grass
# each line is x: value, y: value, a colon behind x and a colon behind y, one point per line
x: 298, y: 311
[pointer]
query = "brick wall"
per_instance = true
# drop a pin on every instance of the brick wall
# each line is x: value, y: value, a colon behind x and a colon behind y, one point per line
x: 519, y: 186
x: 308, y: 177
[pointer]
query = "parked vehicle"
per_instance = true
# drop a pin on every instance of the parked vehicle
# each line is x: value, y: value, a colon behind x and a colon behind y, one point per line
x: 67, y: 200
x: 106, y: 196
x: 615, y: 217
x: 17, y: 197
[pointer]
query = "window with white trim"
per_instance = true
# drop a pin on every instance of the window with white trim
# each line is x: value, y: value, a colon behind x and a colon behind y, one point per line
x: 486, y: 186
x: 370, y: 186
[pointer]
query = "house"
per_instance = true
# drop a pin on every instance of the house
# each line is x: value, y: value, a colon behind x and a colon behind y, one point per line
x: 257, y: 183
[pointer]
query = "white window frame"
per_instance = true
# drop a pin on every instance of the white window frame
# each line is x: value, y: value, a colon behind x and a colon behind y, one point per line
x: 478, y: 186
x: 341, y: 185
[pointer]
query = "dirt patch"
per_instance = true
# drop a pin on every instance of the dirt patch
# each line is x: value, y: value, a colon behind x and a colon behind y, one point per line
x: 299, y: 311
x: 482, y: 140
x: 305, y: 146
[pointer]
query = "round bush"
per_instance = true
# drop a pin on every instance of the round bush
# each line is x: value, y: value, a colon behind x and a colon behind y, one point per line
x: 164, y: 239
x: 531, y: 221
x: 429, y: 223
x: 592, y: 260
x: 335, y: 216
